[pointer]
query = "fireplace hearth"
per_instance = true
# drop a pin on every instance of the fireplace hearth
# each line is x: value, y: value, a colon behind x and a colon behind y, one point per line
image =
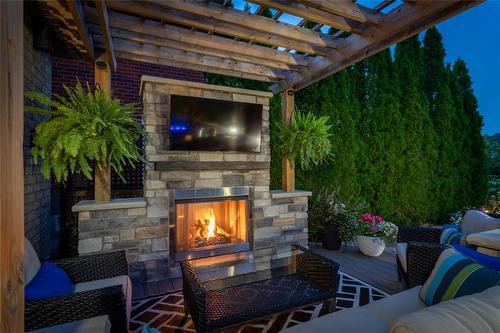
x: 210, y: 221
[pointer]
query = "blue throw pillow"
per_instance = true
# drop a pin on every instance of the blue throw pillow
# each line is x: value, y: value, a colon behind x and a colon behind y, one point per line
x: 450, y: 234
x: 456, y: 275
x: 49, y: 281
x: 484, y: 259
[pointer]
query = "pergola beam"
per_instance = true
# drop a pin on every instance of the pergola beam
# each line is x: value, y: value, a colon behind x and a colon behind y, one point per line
x: 202, y: 41
x: 137, y: 56
x: 102, y: 13
x: 211, y: 24
x: 249, y: 21
x: 162, y: 42
x: 348, y: 9
x: 313, y: 14
x: 76, y: 10
x: 196, y: 59
x: 403, y: 22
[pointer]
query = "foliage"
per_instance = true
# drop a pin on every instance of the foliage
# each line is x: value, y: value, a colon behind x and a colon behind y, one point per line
x: 305, y: 140
x: 376, y: 226
x: 83, y: 128
x: 457, y: 218
x: 493, y: 144
x: 327, y: 208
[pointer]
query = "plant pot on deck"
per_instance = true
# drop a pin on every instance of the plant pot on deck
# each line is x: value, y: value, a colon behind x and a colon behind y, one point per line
x: 331, y: 237
x: 370, y: 246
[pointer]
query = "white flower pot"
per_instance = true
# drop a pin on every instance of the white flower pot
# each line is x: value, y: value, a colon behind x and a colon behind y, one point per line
x: 370, y: 246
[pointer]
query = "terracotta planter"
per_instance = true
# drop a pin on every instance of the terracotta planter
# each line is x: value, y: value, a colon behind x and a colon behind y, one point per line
x: 370, y: 246
x: 331, y: 237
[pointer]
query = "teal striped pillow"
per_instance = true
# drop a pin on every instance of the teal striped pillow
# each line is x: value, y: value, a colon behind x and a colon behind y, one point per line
x: 456, y: 275
x: 450, y: 235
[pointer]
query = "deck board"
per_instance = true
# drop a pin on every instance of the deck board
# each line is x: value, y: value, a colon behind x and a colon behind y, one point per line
x: 379, y: 272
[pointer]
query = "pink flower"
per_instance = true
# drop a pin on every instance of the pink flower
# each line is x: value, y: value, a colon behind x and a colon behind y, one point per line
x: 379, y: 219
x: 374, y: 229
x: 368, y: 217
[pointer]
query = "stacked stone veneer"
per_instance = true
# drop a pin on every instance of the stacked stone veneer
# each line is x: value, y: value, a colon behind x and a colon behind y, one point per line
x: 278, y: 218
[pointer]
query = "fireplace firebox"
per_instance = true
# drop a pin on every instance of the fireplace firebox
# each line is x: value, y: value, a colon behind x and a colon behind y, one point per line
x: 209, y: 221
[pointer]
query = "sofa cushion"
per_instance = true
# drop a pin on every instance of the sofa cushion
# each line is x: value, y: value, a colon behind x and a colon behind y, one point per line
x: 489, y: 239
x: 122, y: 280
x: 450, y: 235
x: 31, y: 263
x: 401, y: 253
x: 476, y: 221
x: 354, y: 320
x: 50, y: 281
x: 374, y: 317
x: 468, y: 314
x: 456, y: 275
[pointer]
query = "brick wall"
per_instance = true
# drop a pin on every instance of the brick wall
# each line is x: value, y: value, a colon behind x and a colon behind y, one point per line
x: 37, y: 77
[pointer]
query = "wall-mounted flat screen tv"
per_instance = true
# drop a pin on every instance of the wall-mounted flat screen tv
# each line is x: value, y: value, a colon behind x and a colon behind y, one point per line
x: 205, y: 124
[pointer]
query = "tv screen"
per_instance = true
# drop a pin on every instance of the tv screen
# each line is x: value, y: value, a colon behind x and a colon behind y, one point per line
x: 213, y: 125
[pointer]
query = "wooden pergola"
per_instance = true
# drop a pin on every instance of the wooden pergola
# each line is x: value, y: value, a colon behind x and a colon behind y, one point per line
x: 197, y: 35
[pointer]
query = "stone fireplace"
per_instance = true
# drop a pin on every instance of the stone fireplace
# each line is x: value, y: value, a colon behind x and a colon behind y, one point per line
x: 196, y: 203
x: 209, y: 222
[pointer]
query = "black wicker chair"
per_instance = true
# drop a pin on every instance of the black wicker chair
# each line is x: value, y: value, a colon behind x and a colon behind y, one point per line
x: 422, y: 250
x: 218, y: 304
x: 81, y: 305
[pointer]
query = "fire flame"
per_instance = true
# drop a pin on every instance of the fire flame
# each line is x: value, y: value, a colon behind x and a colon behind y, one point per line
x: 211, y: 224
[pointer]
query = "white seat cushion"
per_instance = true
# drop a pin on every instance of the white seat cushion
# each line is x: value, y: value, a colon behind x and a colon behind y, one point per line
x: 489, y: 239
x: 401, y: 253
x: 31, y: 262
x: 122, y: 280
x: 373, y: 318
x: 469, y: 314
x: 476, y: 221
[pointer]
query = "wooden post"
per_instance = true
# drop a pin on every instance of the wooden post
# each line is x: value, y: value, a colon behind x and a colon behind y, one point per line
x: 11, y: 167
x: 288, y: 167
x: 102, y: 178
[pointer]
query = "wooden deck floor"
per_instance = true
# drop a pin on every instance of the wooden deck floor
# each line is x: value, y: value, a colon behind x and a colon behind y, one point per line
x: 380, y: 271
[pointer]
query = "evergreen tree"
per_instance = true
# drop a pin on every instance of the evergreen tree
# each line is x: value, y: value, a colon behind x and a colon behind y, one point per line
x: 384, y: 135
x: 418, y: 132
x: 441, y: 112
x: 477, y: 147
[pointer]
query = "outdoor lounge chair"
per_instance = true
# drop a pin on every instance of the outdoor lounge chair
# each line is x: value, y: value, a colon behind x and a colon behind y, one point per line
x: 418, y: 248
x: 101, y: 287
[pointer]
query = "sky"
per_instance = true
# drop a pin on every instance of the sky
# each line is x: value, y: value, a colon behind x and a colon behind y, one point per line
x: 474, y: 36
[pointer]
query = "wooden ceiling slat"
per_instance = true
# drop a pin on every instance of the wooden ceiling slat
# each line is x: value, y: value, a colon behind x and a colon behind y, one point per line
x: 167, y: 15
x: 249, y: 21
x: 102, y: 13
x: 349, y: 10
x: 313, y: 14
x: 403, y: 22
x: 163, y: 42
x: 196, y: 59
x: 131, y: 55
x: 383, y: 5
x: 76, y: 10
x: 202, y: 40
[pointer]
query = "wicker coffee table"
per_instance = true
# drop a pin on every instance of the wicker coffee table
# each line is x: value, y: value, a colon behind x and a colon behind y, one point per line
x: 244, y: 290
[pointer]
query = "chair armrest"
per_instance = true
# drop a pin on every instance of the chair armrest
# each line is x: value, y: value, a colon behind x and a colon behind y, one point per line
x: 421, y: 258
x: 194, y: 294
x: 95, y: 267
x: 317, y: 268
x: 78, y: 306
x: 418, y: 234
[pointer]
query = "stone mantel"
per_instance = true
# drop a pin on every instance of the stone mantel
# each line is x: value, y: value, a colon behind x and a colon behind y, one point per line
x: 277, y: 194
x: 122, y: 203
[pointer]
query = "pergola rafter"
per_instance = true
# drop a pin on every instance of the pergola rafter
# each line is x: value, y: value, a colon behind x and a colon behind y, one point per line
x: 217, y: 38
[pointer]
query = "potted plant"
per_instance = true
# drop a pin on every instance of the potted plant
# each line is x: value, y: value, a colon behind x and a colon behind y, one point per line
x: 306, y: 140
x: 85, y: 128
x: 372, y: 234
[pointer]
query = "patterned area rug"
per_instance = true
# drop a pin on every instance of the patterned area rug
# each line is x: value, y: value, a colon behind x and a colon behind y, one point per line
x: 166, y: 312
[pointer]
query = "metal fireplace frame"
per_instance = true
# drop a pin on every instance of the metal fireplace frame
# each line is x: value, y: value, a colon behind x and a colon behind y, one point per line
x: 206, y: 195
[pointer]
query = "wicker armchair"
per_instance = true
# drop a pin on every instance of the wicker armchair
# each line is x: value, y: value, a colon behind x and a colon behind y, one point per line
x: 109, y: 301
x: 417, y: 251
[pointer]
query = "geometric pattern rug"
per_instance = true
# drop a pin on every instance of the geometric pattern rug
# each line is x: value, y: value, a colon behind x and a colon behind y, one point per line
x: 166, y: 312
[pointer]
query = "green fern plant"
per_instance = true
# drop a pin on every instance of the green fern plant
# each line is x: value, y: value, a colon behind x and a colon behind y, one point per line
x: 306, y: 140
x: 85, y: 126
